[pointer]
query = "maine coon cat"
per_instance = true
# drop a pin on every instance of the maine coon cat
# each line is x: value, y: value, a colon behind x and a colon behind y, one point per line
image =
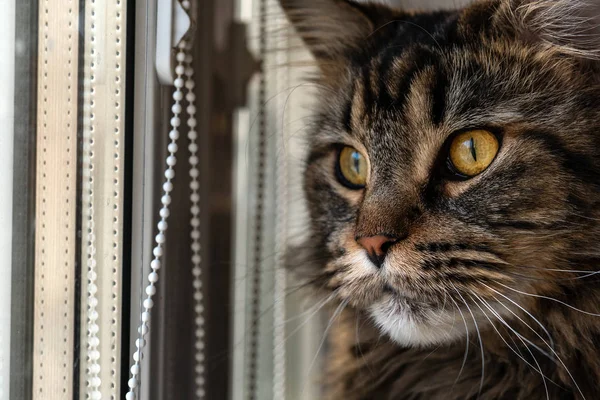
x: 453, y: 184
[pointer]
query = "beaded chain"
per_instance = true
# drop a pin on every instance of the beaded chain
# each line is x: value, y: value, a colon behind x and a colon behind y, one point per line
x: 195, y: 233
x: 256, y: 283
x: 184, y: 78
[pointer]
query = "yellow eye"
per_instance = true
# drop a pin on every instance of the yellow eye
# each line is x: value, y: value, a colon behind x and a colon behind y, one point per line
x: 352, y: 167
x: 473, y: 151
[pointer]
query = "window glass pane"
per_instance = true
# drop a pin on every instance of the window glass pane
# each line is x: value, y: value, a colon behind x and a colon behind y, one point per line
x: 7, y: 85
x: 18, y: 51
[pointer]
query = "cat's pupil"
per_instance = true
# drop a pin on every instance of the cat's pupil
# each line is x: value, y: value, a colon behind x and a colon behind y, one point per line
x: 472, y: 145
x: 356, y: 162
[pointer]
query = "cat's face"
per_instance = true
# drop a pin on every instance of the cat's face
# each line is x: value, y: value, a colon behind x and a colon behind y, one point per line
x: 453, y: 170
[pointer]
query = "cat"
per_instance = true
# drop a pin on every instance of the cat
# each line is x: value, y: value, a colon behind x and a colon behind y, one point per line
x: 453, y: 183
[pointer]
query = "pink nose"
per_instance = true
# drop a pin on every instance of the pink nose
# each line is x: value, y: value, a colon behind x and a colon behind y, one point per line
x: 376, y: 247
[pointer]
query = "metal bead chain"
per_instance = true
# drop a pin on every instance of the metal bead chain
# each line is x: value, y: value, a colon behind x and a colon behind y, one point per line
x: 255, y: 284
x: 199, y: 331
x: 164, y: 213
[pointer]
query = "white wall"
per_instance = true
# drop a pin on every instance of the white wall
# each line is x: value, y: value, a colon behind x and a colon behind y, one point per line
x: 7, y: 86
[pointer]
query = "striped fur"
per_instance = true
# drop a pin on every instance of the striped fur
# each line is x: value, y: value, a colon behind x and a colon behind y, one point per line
x: 504, y: 261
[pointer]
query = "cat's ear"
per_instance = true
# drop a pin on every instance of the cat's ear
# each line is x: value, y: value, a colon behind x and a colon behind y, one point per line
x: 569, y: 26
x: 332, y: 29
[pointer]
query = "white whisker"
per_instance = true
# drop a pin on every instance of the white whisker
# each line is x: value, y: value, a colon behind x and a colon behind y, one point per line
x: 540, y: 350
x: 480, y: 341
x: 466, y: 345
x: 552, y: 299
x: 336, y: 314
x: 315, y: 309
x: 506, y: 324
x: 538, y: 369
x: 359, y: 348
x: 551, y: 345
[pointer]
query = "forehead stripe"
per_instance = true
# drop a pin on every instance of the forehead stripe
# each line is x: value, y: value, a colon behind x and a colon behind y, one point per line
x: 420, y: 59
x: 385, y: 100
x: 367, y: 98
x: 347, y: 113
x: 438, y: 97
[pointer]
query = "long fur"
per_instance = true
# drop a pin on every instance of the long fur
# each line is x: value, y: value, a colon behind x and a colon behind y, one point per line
x: 491, y: 289
x: 572, y: 26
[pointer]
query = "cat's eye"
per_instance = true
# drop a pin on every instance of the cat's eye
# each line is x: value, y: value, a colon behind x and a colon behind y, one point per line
x: 472, y: 152
x: 352, y: 168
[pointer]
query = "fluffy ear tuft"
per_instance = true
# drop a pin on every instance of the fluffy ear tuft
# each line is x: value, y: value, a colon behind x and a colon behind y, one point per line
x: 570, y: 26
x: 333, y: 30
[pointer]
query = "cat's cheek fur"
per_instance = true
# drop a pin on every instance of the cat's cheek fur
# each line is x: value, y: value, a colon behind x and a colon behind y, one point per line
x: 356, y: 281
x: 430, y: 327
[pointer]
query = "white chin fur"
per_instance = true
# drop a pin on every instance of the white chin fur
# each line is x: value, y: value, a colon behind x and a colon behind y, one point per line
x: 431, y: 328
